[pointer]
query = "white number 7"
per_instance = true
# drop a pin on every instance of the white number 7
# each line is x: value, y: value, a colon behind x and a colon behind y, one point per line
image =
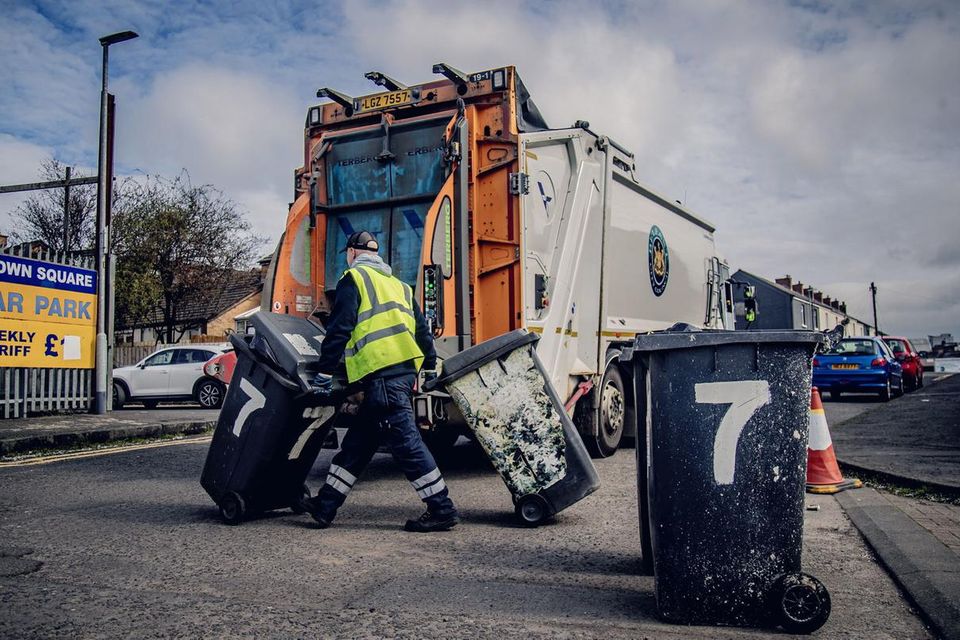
x: 744, y: 398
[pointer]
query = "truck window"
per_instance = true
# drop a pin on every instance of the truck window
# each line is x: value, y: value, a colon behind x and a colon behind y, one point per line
x: 388, y: 191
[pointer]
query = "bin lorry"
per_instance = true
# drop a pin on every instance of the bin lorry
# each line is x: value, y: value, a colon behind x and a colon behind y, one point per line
x: 498, y: 222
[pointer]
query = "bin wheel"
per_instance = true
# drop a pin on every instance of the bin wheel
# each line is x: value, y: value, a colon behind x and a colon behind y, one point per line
x: 295, y: 505
x: 532, y: 509
x: 801, y: 604
x: 232, y: 508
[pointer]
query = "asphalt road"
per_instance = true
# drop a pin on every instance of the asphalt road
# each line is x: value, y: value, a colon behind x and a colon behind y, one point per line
x: 129, y: 545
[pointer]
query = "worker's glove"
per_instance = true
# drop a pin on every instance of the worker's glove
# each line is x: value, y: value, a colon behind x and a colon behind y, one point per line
x: 322, y: 384
x: 429, y: 376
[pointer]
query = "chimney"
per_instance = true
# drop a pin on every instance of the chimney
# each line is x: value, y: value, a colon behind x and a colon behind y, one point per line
x: 785, y: 281
x: 843, y: 308
x: 798, y: 288
x: 827, y: 300
x: 818, y: 296
x: 835, y: 304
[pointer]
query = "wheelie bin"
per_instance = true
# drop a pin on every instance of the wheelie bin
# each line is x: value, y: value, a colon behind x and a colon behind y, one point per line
x: 514, y: 412
x: 722, y: 452
x: 272, y: 424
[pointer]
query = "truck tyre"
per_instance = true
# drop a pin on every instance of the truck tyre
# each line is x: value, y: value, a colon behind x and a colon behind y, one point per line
x: 602, y: 428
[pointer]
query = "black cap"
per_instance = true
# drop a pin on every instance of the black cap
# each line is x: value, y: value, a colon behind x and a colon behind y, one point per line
x: 362, y: 240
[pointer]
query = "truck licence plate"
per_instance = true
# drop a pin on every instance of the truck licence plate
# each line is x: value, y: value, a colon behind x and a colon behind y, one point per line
x: 383, y: 100
x: 845, y: 366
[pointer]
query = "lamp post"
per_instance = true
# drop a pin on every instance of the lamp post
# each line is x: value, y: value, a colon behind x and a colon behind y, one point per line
x: 103, y: 199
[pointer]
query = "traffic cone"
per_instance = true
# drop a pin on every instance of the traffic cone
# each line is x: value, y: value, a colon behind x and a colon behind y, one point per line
x: 823, y: 472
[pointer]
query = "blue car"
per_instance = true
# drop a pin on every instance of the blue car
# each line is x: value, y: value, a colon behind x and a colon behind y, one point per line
x: 859, y: 365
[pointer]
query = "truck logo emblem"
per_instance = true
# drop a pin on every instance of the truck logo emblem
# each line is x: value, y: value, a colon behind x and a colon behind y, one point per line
x: 658, y: 260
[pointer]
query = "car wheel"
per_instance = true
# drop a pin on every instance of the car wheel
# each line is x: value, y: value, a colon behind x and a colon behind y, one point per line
x: 899, y: 389
x: 209, y: 394
x: 836, y: 395
x: 887, y: 392
x: 920, y: 379
x: 119, y: 395
x: 150, y: 404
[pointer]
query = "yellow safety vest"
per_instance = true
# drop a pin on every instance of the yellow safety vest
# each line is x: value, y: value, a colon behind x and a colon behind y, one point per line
x: 385, y: 333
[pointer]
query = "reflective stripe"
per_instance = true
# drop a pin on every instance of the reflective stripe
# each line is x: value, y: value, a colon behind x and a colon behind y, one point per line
x: 380, y: 308
x: 339, y: 486
x: 343, y: 474
x: 432, y: 489
x: 386, y: 332
x: 368, y: 285
x: 425, y: 479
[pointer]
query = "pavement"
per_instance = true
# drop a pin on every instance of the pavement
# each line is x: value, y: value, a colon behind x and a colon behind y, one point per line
x: 913, y: 442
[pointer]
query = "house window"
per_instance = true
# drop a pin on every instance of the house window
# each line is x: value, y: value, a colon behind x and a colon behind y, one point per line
x: 816, y: 317
x: 803, y: 316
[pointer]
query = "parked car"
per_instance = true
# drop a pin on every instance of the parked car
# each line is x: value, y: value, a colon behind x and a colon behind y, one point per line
x: 909, y: 359
x: 860, y: 365
x: 170, y: 374
x: 221, y: 366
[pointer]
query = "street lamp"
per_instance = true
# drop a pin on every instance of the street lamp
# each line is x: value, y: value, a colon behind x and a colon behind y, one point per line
x: 103, y: 198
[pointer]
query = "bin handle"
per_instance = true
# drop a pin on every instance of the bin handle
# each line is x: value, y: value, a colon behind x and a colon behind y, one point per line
x: 240, y: 345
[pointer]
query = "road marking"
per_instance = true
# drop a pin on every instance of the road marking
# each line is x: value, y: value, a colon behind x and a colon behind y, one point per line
x: 77, y: 455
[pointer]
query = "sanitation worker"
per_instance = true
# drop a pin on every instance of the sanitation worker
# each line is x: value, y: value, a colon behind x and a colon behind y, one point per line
x: 378, y: 329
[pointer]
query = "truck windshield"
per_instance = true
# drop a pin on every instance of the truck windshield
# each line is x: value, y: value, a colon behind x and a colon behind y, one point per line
x: 385, y: 189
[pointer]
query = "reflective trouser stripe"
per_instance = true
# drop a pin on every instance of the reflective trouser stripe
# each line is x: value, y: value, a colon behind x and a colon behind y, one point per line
x: 432, y: 489
x: 425, y: 479
x: 340, y: 479
x: 343, y: 474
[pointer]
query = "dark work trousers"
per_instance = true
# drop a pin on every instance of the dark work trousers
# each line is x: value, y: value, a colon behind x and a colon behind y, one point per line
x: 386, y: 413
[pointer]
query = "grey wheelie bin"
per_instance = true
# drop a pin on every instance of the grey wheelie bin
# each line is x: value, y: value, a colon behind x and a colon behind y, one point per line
x: 272, y: 424
x: 722, y: 456
x: 514, y: 412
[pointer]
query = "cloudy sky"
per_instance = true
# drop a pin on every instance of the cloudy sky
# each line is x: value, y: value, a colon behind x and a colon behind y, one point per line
x: 822, y: 138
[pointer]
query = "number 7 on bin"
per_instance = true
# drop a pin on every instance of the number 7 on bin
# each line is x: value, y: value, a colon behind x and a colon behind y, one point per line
x: 744, y: 398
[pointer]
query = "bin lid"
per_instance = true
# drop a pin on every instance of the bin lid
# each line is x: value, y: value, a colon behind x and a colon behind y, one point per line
x: 475, y: 357
x: 671, y: 340
x: 291, y: 342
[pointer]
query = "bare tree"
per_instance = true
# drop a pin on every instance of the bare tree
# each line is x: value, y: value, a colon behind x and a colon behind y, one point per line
x: 177, y: 245
x: 41, y: 214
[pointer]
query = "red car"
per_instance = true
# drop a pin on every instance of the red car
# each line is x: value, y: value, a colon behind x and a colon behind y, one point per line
x: 909, y: 359
x: 221, y: 367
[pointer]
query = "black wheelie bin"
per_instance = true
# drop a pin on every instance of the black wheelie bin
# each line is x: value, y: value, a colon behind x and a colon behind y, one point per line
x: 514, y: 412
x: 722, y: 455
x: 272, y: 424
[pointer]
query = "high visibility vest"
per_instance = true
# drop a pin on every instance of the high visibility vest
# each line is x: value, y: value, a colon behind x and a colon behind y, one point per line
x: 385, y: 333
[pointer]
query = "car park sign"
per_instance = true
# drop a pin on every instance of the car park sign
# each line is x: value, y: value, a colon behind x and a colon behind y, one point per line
x: 47, y: 314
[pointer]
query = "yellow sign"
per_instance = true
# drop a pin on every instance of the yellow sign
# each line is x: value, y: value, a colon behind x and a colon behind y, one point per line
x: 47, y: 314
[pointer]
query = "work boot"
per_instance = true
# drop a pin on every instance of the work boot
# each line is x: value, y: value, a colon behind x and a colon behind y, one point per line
x: 430, y: 522
x: 312, y: 506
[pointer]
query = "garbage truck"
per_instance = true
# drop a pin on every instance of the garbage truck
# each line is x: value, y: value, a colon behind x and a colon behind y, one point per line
x: 498, y: 222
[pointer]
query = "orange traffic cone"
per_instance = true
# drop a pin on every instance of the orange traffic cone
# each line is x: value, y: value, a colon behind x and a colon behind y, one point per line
x: 823, y: 472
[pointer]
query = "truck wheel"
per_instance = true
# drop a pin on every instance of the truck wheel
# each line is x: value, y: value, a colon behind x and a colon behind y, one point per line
x: 611, y: 413
x: 532, y: 509
x: 119, y: 395
x: 799, y: 603
x: 209, y: 394
x: 232, y: 508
